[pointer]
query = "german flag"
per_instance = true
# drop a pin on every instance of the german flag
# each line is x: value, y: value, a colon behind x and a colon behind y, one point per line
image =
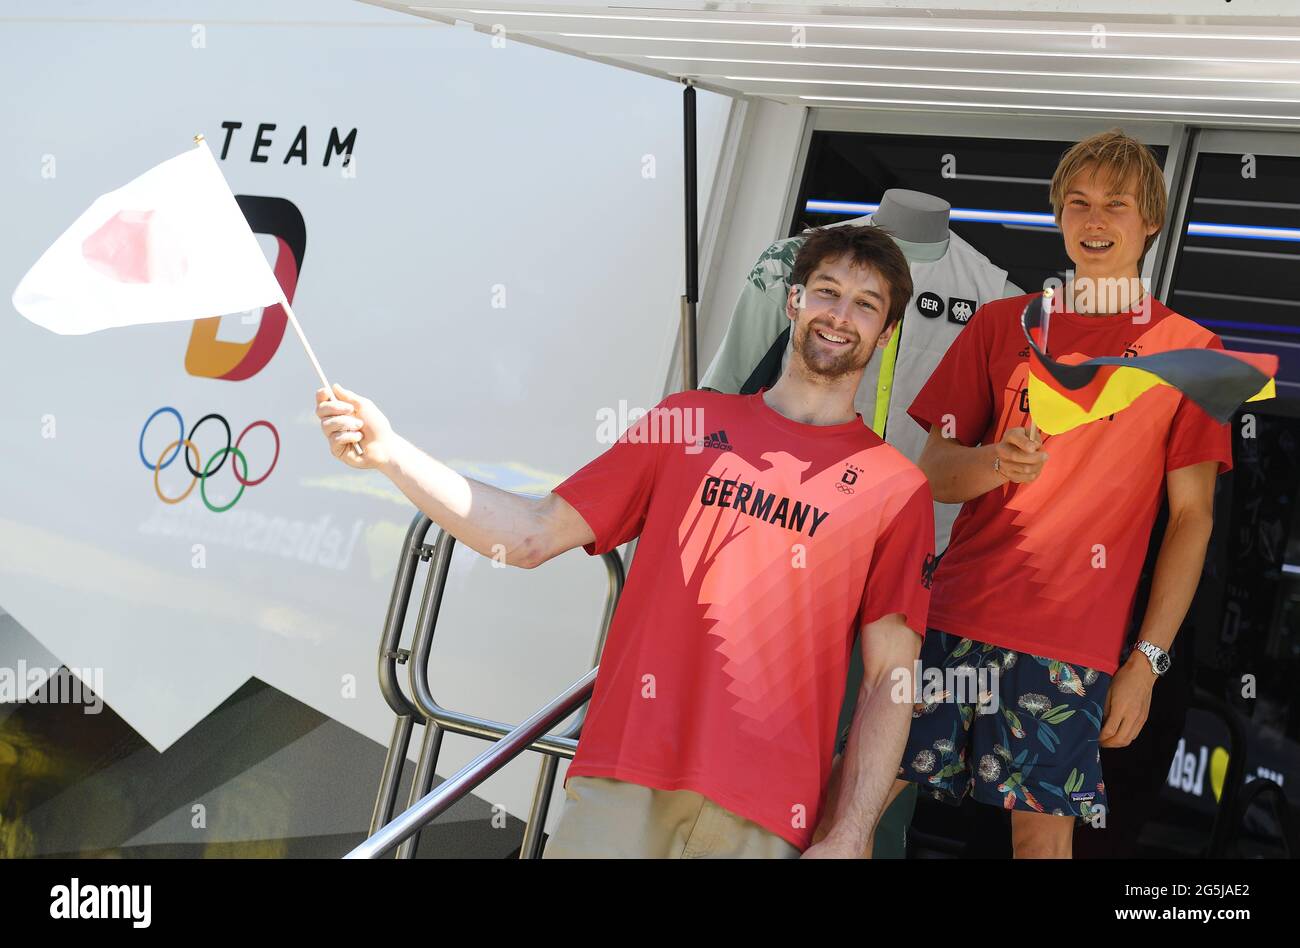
x: 1063, y: 396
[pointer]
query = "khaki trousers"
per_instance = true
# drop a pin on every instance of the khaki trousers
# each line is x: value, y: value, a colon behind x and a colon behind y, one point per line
x: 614, y: 819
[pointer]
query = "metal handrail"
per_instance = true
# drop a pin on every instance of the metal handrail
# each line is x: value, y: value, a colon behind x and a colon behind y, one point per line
x: 437, y: 719
x: 422, y: 646
x: 436, y: 802
x: 390, y: 654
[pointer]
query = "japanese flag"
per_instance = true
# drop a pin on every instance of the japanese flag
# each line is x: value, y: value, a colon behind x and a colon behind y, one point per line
x: 172, y: 245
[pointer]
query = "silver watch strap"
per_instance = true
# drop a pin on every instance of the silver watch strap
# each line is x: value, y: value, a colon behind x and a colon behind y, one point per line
x: 1153, y: 653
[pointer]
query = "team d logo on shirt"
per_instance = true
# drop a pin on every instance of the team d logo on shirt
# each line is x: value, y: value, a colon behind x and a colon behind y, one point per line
x: 848, y: 479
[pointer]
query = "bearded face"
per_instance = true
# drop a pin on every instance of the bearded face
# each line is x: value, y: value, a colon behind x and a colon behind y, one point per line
x: 840, y: 324
x: 829, y: 353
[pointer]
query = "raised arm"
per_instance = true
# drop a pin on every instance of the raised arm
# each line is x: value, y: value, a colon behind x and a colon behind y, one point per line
x: 526, y: 531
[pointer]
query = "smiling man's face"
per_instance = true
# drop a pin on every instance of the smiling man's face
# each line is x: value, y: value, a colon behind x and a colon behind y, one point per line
x: 842, y: 320
x: 1102, y: 226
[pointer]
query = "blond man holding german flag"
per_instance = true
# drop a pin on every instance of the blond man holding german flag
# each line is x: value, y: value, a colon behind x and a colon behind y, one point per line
x: 1034, y: 593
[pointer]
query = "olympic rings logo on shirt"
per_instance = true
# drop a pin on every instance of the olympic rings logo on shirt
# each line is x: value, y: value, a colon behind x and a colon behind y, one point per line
x: 216, y: 462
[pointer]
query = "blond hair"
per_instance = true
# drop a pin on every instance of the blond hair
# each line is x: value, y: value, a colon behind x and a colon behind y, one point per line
x: 1120, y: 159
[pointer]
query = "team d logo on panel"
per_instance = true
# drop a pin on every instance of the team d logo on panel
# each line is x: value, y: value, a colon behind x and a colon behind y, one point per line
x: 210, y: 357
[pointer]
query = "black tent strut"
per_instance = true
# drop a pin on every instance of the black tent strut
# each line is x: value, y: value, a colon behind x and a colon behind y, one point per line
x: 690, y: 377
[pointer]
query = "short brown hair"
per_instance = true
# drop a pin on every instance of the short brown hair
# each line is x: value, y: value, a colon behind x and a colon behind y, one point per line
x: 865, y: 246
x: 1120, y: 158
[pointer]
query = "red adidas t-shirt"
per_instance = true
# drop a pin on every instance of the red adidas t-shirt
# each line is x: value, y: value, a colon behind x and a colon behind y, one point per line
x: 1051, y: 567
x: 765, y: 546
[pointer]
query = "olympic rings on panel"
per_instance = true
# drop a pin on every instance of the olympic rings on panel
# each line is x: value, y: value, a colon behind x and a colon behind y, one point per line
x: 215, y: 463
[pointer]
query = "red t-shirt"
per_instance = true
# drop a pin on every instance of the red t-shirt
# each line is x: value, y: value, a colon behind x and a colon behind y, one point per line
x: 1051, y: 567
x: 765, y: 546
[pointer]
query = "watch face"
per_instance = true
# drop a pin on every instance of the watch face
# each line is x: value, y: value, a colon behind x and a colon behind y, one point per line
x: 1162, y: 664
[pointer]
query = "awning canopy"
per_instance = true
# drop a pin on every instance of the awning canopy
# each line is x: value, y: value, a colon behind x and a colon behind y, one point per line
x: 1036, y: 57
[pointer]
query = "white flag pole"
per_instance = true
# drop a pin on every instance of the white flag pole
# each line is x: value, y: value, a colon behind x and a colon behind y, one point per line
x: 356, y: 448
x: 1046, y: 325
x: 293, y: 320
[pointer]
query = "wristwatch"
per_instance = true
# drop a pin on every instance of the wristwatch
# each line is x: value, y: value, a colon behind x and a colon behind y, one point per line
x: 1158, y: 657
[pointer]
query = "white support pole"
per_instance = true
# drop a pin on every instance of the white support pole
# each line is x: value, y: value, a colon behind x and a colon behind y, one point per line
x: 293, y: 320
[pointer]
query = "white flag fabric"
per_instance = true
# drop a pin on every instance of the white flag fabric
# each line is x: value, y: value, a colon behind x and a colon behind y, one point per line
x: 172, y: 245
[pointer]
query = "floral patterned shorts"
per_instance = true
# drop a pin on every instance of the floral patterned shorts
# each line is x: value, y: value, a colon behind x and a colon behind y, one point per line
x: 1014, y: 730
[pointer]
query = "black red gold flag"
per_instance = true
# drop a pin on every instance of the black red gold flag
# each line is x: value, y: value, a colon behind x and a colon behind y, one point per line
x: 1063, y: 396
